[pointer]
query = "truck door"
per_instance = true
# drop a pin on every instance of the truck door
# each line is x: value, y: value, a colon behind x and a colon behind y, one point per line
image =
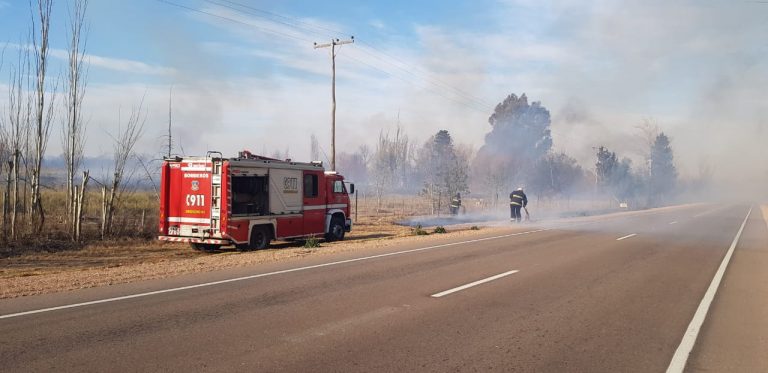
x: 314, y: 202
x: 337, y: 194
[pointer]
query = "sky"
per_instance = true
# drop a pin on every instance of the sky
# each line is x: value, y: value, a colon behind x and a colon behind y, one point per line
x: 244, y: 73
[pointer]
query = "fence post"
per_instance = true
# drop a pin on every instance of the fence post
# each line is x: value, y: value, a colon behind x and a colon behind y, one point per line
x: 7, y: 200
x: 103, y: 210
x: 79, y: 211
x: 73, y: 212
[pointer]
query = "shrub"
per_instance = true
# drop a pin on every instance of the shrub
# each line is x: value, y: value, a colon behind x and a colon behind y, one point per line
x: 474, y: 228
x: 311, y: 242
x: 440, y: 229
x: 418, y: 231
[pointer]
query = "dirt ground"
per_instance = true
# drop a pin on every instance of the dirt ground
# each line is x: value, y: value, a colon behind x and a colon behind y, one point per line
x: 122, y: 262
x: 105, y: 263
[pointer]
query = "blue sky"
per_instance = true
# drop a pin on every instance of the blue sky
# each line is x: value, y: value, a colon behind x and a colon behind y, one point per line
x: 245, y: 75
x: 148, y: 31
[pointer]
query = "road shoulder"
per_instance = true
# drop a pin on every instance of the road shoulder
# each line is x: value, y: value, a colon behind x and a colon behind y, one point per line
x: 734, y: 337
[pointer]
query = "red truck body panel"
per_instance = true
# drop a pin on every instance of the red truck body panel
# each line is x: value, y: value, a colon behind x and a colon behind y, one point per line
x: 218, y: 201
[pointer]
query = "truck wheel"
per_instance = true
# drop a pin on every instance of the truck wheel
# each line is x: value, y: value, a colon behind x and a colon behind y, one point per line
x: 207, y: 247
x: 260, y: 237
x: 336, y: 230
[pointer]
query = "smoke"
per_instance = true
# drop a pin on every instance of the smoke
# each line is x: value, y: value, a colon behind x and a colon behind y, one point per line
x: 697, y: 69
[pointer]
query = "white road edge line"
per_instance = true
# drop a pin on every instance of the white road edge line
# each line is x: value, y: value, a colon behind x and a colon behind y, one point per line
x: 139, y: 295
x: 471, y: 284
x: 677, y: 365
x: 674, y: 222
x: 627, y: 236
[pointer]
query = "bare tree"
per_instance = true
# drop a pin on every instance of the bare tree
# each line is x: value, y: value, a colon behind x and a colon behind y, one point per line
x: 365, y: 152
x: 647, y: 130
x: 169, y: 144
x: 44, y: 112
x: 314, y: 148
x: 7, y: 190
x: 148, y: 171
x: 73, y: 132
x: 496, y: 176
x: 17, y: 131
x: 388, y: 163
x: 4, y: 149
x: 124, y: 144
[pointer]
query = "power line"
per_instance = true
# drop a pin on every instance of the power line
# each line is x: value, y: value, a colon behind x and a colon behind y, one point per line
x: 400, y: 64
x: 439, y: 93
x: 269, y: 31
x: 468, y: 101
x: 273, y: 14
x: 434, y: 81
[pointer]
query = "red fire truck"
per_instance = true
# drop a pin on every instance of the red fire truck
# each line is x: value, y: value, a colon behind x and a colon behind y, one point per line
x: 250, y: 200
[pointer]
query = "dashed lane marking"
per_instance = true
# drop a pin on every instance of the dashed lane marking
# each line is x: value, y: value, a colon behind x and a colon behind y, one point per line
x: 627, y: 236
x: 471, y: 284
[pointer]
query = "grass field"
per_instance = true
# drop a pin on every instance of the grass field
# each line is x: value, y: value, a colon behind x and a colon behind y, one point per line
x: 135, y: 218
x: 135, y: 244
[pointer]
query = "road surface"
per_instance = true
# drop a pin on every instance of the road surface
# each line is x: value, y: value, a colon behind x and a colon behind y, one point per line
x: 596, y: 294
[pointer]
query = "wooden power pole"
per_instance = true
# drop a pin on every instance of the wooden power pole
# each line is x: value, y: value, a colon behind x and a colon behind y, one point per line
x: 333, y: 44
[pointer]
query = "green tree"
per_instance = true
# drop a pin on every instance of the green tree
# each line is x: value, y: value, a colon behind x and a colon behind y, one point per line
x: 555, y: 174
x: 519, y: 137
x: 444, y: 170
x: 615, y: 177
x: 663, y: 176
x: 605, y: 166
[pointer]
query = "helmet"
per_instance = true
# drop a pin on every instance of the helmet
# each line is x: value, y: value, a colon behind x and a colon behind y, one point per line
x: 520, y: 189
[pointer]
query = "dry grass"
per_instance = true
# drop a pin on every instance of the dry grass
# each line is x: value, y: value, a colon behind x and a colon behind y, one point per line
x: 133, y: 251
x: 47, y: 257
x: 135, y: 258
x: 136, y: 218
x: 99, y: 265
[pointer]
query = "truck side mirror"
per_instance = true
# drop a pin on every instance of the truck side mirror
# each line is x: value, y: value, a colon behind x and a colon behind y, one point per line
x: 351, y: 188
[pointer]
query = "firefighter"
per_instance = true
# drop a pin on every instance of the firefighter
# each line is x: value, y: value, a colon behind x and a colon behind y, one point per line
x: 456, y: 204
x: 517, y: 200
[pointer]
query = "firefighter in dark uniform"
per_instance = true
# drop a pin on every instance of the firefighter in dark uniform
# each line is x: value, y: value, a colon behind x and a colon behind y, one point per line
x: 517, y: 200
x: 456, y: 204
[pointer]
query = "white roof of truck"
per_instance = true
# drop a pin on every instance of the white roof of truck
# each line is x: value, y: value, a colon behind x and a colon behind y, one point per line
x: 258, y: 161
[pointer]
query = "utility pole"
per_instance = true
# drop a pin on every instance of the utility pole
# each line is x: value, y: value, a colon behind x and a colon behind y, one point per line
x: 333, y: 44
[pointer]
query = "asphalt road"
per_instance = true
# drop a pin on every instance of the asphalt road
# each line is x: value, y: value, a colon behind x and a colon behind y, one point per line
x: 599, y: 294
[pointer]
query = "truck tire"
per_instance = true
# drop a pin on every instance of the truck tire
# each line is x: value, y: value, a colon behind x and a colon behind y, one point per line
x: 336, y: 229
x: 260, y: 237
x: 207, y: 247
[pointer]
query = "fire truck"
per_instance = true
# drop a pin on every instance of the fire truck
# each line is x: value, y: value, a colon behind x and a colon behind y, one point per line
x: 250, y: 200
